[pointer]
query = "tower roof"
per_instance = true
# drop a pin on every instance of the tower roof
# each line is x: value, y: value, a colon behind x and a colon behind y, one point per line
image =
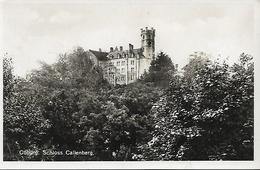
x: 148, y: 30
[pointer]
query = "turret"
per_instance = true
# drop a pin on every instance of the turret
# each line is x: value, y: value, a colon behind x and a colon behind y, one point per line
x: 147, y: 42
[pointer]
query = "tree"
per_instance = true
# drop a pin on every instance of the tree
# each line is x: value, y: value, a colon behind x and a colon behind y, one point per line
x: 66, y: 92
x: 197, y: 61
x: 24, y: 126
x: 8, y: 77
x: 128, y: 121
x: 205, y: 114
x: 73, y: 70
x: 161, y: 70
x: 85, y: 113
x: 210, y: 118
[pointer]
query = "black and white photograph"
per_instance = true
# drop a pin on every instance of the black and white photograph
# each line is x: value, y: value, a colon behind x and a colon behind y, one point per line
x: 129, y: 81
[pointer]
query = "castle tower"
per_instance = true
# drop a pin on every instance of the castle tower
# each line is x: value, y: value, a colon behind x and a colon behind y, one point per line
x: 147, y: 42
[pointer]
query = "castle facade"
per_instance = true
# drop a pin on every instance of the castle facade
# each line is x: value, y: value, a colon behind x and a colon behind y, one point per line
x: 126, y: 66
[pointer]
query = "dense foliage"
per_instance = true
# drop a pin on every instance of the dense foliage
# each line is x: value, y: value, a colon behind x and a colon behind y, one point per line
x: 160, y: 71
x: 69, y: 106
x: 207, y: 118
x: 204, y: 114
x: 24, y: 125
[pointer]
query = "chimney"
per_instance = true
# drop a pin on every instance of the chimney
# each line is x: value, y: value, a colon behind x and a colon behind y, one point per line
x: 131, y: 47
x: 100, y: 50
x: 121, y: 48
x: 111, y: 49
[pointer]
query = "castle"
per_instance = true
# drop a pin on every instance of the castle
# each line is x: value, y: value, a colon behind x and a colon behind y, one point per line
x: 126, y: 66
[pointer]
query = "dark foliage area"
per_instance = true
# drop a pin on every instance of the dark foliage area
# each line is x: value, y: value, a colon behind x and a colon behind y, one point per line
x: 204, y: 114
x: 209, y: 117
x: 161, y: 71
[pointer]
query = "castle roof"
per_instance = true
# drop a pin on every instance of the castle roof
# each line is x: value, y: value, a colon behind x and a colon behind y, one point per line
x: 101, y: 56
x: 105, y: 56
x: 116, y: 53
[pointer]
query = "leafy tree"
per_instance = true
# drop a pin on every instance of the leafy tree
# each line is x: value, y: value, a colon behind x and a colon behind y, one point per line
x: 24, y: 126
x: 161, y: 70
x: 8, y: 77
x: 128, y: 121
x: 206, y: 114
x: 66, y: 93
x: 210, y: 118
x: 197, y: 61
x: 87, y: 114
x: 73, y: 70
x: 137, y: 97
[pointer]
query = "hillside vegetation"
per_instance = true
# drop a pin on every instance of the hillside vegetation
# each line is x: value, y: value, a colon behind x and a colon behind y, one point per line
x: 206, y: 113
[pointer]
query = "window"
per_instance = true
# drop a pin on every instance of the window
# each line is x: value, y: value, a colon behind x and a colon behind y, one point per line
x: 122, y: 78
x: 118, y: 63
x: 117, y: 70
x: 122, y: 70
x: 149, y: 43
x: 132, y: 77
x: 132, y: 62
x: 132, y: 70
x: 123, y: 63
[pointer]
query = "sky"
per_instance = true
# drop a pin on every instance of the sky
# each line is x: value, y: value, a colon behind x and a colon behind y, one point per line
x: 34, y: 31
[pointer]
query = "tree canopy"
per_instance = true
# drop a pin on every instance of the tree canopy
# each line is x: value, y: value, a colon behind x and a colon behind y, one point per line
x: 210, y: 118
x: 161, y: 70
x: 204, y: 114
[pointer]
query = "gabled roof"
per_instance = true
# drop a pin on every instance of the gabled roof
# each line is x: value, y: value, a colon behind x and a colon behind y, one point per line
x: 116, y: 53
x: 101, y: 56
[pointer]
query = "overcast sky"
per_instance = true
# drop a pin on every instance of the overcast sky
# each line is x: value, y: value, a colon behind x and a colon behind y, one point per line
x: 36, y: 31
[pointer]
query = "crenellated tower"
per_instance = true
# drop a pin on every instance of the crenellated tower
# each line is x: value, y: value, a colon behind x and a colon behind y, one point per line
x: 148, y: 42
